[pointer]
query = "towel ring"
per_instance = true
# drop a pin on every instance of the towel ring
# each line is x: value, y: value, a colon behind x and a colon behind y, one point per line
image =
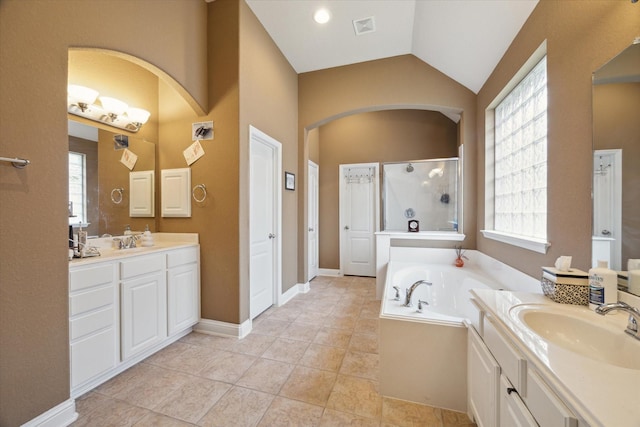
x: 203, y: 190
x: 116, y: 195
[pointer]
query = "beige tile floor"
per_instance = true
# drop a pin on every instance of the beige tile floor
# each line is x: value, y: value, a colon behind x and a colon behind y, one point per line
x: 311, y: 362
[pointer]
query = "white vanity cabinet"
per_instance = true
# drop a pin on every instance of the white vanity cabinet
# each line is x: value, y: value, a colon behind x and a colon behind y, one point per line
x: 183, y: 289
x: 93, y: 321
x: 125, y: 307
x: 143, y: 299
x: 504, y: 390
x: 513, y: 411
x: 483, y: 381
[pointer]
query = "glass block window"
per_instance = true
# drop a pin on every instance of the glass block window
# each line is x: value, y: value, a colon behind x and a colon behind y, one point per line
x: 77, y: 187
x: 520, y: 193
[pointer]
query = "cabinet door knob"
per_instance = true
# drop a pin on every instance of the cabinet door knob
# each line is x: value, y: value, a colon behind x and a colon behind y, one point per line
x: 511, y: 390
x: 346, y: 227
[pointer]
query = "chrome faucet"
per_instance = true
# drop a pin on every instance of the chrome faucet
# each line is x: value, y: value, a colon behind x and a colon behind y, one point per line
x: 407, y: 300
x: 634, y: 315
x: 129, y: 241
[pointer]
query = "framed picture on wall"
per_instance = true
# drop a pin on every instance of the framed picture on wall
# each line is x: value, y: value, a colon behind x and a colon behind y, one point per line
x: 289, y: 181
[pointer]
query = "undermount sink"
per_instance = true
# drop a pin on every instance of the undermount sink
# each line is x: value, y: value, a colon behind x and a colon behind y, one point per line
x: 581, y: 331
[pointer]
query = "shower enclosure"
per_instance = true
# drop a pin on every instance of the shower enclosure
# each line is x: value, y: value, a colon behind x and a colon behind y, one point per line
x: 422, y: 190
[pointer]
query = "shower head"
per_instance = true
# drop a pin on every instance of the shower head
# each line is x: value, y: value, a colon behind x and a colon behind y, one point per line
x: 409, y: 168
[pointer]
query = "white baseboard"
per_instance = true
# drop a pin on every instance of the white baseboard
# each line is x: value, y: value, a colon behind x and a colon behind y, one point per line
x: 61, y: 415
x: 303, y: 288
x: 225, y: 329
x: 329, y: 272
x: 287, y: 295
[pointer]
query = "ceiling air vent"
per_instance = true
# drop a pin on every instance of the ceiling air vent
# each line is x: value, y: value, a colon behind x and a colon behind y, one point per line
x: 364, y: 25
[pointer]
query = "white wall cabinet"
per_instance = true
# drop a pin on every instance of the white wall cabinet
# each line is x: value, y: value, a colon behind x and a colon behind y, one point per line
x: 120, y: 311
x: 142, y: 194
x: 503, y: 389
x: 176, y: 192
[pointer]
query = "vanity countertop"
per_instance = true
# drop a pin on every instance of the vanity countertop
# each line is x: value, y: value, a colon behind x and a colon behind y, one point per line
x: 602, y: 394
x: 162, y: 241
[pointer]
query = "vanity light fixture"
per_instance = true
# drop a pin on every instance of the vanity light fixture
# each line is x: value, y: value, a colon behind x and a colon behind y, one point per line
x: 322, y: 16
x: 111, y: 111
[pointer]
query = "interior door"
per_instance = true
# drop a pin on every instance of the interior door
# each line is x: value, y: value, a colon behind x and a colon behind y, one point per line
x: 313, y: 221
x: 359, y: 208
x: 264, y: 270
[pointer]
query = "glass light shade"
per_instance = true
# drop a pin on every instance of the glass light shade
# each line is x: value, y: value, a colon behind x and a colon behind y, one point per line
x: 82, y: 94
x: 322, y: 16
x: 138, y: 115
x: 112, y: 105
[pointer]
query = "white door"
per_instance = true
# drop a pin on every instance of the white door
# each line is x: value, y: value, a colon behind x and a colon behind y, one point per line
x: 313, y: 207
x: 359, y: 213
x: 264, y: 221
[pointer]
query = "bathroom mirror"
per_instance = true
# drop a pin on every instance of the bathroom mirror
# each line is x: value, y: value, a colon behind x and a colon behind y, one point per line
x: 99, y: 181
x: 425, y: 191
x: 616, y: 166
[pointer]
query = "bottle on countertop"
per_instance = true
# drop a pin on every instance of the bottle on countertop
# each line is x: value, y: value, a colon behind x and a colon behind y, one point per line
x: 82, y: 240
x: 603, y: 285
x: 147, y: 238
x: 127, y: 230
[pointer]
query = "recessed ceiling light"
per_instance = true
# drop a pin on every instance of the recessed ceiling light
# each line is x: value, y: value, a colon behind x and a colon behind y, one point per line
x: 322, y: 16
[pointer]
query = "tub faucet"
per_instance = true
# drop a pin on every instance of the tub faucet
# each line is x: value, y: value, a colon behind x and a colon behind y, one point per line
x: 634, y: 316
x: 407, y: 300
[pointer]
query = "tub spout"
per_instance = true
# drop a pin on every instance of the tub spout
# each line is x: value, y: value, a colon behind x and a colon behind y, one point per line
x: 407, y: 301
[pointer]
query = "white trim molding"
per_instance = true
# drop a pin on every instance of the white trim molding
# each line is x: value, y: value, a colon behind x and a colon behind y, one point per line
x: 60, y: 415
x: 329, y: 272
x: 225, y: 329
x: 287, y: 295
x: 303, y: 288
x: 529, y: 243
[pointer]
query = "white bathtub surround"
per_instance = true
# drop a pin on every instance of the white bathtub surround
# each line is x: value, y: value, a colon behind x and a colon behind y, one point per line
x: 507, y: 277
x: 594, y: 392
x: 423, y: 356
x: 387, y: 240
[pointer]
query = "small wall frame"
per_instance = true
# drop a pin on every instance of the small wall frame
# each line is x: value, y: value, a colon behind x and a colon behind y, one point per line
x: 289, y: 181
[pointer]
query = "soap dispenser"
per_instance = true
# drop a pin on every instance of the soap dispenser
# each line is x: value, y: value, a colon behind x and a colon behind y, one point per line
x: 147, y: 238
x: 603, y: 285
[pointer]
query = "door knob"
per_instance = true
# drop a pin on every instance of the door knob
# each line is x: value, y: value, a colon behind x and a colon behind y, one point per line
x: 310, y: 228
x: 346, y: 227
x: 272, y: 236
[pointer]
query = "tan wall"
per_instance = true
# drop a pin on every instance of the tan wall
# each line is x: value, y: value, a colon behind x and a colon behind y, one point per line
x: 581, y: 37
x: 269, y: 102
x: 616, y: 126
x: 313, y: 142
x: 399, y: 82
x: 34, y: 40
x: 380, y: 136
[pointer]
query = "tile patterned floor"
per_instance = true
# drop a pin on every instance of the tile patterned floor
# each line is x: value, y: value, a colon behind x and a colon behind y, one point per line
x: 311, y: 362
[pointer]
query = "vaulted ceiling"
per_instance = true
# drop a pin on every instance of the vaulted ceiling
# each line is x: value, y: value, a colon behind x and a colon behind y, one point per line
x: 464, y: 39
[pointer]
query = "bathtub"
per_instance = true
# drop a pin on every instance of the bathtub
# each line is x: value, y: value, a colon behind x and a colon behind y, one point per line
x: 423, y: 356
